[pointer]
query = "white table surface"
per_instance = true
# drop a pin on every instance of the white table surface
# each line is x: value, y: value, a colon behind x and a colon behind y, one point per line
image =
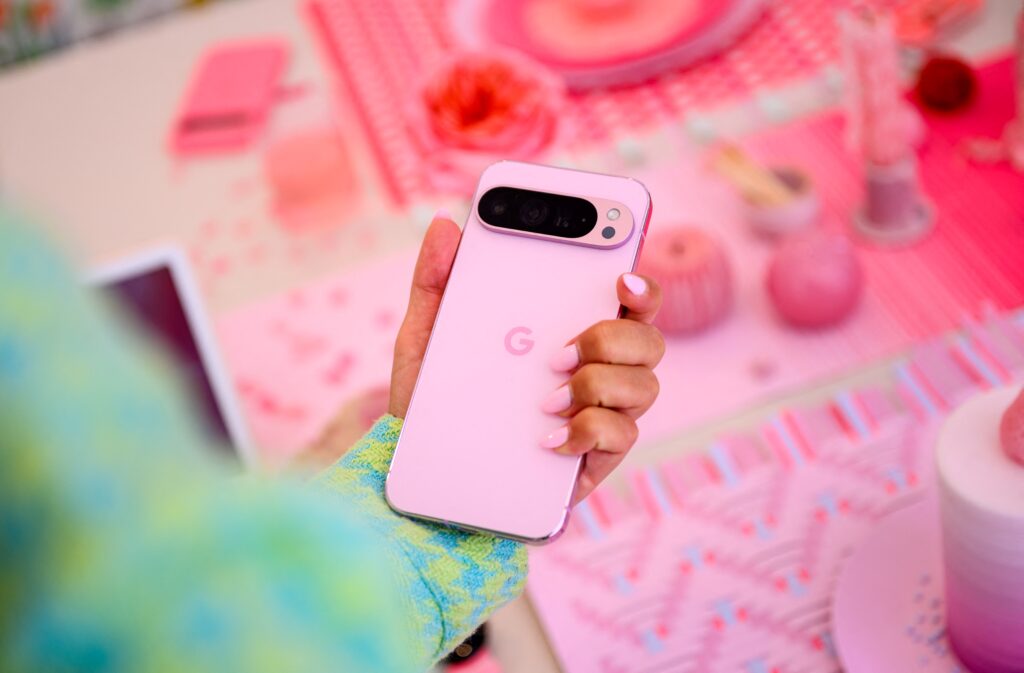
x: 82, y: 145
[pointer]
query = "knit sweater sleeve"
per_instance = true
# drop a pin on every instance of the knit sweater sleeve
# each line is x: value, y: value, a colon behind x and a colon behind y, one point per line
x: 451, y: 580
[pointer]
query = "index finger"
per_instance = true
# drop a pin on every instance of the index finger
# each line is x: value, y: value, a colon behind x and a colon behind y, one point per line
x: 640, y: 296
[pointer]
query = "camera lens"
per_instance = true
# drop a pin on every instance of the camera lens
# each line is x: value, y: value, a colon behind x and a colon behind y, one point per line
x: 533, y: 212
x: 499, y: 207
x: 537, y: 212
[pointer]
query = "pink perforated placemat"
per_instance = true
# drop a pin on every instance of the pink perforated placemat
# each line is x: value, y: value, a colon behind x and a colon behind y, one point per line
x: 726, y: 559
x: 381, y: 49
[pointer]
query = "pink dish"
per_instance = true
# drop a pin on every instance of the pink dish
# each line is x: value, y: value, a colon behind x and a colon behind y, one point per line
x: 888, y: 609
x: 598, y: 43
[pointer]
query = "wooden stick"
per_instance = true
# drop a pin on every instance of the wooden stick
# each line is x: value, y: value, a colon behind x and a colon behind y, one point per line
x: 757, y: 184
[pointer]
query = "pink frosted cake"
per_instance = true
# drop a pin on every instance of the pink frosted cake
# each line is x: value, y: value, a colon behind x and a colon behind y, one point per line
x: 981, y: 490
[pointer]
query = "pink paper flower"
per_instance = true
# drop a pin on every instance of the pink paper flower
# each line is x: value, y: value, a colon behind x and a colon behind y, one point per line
x: 475, y: 109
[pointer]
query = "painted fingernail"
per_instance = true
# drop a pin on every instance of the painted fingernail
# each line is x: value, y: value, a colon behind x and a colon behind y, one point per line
x: 634, y: 283
x: 557, y: 401
x: 566, y: 359
x: 443, y: 214
x: 556, y: 438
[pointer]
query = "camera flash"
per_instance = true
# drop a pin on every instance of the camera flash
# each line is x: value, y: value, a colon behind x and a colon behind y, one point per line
x: 613, y: 214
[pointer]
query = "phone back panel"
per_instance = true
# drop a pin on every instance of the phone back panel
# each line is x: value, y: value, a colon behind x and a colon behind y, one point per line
x: 469, y: 451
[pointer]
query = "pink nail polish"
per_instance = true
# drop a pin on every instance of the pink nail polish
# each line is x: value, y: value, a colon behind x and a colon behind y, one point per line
x: 566, y: 359
x: 442, y: 214
x: 634, y: 283
x: 557, y: 401
x: 556, y: 438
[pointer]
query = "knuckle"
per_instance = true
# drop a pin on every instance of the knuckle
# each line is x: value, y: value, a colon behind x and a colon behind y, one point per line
x: 585, y: 385
x: 587, y: 422
x: 600, y: 340
x: 657, y: 341
x: 651, y: 384
x: 632, y: 432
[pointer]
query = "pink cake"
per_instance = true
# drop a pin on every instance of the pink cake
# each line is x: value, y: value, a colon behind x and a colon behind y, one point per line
x: 981, y: 492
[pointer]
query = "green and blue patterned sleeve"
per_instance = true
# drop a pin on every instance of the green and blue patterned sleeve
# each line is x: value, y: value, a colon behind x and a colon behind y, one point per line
x: 454, y: 579
x: 125, y: 547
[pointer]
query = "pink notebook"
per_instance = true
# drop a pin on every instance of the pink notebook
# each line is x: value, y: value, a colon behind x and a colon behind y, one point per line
x: 230, y: 96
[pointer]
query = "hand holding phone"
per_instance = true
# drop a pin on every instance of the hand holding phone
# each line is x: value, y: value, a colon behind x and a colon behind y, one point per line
x: 604, y: 373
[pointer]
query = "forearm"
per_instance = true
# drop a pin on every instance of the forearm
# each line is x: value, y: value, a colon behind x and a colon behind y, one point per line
x: 451, y: 580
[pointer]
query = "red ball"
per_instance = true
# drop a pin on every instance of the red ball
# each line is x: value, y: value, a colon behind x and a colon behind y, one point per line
x: 946, y: 84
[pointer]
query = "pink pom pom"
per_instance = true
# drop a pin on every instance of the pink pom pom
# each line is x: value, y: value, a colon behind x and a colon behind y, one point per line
x: 693, y: 271
x: 815, y: 280
x: 1011, y: 430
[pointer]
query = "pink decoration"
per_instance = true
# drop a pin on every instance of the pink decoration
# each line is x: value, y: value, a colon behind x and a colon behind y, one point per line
x: 312, y: 178
x: 693, y: 270
x: 815, y: 280
x: 477, y: 108
x: 1011, y: 429
x: 882, y: 125
x: 884, y: 128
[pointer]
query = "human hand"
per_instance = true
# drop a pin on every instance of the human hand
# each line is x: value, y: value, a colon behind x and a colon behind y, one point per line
x: 610, y: 365
x: 611, y: 384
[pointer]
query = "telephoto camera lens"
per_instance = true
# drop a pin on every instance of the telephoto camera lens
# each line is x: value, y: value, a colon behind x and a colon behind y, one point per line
x: 533, y: 212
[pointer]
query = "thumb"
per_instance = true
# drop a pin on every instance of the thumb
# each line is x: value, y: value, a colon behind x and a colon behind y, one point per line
x: 428, y: 282
x: 431, y: 275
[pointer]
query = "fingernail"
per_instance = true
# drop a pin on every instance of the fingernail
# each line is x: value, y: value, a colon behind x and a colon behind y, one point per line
x: 566, y: 359
x: 443, y: 214
x: 557, y: 401
x: 556, y: 438
x: 634, y: 283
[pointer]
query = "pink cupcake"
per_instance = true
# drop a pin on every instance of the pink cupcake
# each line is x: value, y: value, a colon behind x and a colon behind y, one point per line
x: 694, y: 273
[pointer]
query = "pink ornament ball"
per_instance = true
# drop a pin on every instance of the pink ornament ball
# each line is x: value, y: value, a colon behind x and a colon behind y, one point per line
x: 1011, y: 430
x: 815, y: 280
x: 693, y: 270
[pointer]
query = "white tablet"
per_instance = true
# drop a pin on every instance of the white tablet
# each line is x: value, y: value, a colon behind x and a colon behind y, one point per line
x: 158, y: 289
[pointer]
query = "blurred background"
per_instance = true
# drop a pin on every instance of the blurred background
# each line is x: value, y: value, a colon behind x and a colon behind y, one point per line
x: 837, y: 184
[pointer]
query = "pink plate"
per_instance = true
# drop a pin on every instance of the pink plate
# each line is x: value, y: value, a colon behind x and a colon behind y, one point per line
x: 601, y: 43
x: 888, y: 610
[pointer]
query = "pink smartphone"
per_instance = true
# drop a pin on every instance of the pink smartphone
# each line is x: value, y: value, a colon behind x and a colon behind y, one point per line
x: 538, y: 263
